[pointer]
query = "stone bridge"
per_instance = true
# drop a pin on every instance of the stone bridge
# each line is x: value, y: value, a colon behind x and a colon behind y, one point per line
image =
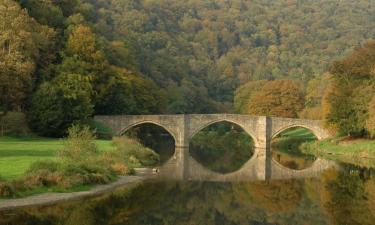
x: 183, y: 127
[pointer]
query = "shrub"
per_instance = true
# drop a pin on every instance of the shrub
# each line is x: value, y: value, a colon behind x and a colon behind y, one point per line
x: 43, y: 178
x: 121, y: 169
x: 6, y: 190
x: 135, y: 153
x: 88, y: 173
x: 80, y: 145
x: 47, y: 165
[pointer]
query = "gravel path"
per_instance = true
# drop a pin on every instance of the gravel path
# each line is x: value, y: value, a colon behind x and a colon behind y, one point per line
x: 53, y: 198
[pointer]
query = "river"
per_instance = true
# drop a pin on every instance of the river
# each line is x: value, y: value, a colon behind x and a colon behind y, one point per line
x: 344, y: 194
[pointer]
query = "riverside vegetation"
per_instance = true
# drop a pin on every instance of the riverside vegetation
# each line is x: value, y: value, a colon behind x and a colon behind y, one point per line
x: 78, y: 165
x: 62, y: 62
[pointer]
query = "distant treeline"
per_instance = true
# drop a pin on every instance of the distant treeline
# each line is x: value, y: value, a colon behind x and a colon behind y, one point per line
x: 61, y: 61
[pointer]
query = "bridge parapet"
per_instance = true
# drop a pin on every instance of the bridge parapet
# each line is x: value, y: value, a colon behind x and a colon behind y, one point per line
x: 281, y: 124
x: 183, y: 128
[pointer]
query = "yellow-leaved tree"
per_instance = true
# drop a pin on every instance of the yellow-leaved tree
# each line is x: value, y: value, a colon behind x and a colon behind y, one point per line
x: 280, y: 98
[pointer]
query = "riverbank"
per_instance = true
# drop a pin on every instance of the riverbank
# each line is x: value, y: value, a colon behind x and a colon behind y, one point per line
x: 359, y: 152
x: 77, y: 163
x: 18, y: 153
x: 54, y: 198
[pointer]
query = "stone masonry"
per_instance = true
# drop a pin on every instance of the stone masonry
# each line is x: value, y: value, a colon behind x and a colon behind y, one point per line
x: 183, y: 127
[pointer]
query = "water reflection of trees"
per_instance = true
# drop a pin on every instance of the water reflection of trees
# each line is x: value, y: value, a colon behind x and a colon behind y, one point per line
x: 337, y: 197
x: 351, y: 196
x: 286, y: 148
x: 155, y: 138
x: 222, y: 147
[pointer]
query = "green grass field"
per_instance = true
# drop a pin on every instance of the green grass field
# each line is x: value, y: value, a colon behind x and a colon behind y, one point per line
x: 17, y: 154
x: 360, y: 152
x: 298, y: 132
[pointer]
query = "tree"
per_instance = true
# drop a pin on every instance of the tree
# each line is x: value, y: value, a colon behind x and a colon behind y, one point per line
x: 315, y: 91
x: 22, y: 41
x: 45, y: 12
x: 243, y: 95
x: 277, y: 98
x: 353, y: 83
x: 129, y: 94
x: 370, y: 123
x: 82, y: 55
x: 58, y: 104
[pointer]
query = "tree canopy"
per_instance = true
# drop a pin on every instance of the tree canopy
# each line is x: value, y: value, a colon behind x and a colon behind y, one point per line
x: 190, y: 55
x: 353, y: 87
x: 280, y: 98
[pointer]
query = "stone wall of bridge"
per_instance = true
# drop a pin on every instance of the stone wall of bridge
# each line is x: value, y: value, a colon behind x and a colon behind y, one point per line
x: 183, y: 128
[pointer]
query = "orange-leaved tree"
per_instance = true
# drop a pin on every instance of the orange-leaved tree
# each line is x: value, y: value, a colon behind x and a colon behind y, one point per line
x: 280, y: 98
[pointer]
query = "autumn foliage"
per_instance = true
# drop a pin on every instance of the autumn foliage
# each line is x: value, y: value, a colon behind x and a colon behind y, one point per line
x: 281, y: 98
x: 353, y: 87
x: 370, y: 123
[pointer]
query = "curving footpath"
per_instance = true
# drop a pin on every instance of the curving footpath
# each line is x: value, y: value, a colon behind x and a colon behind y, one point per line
x: 54, y: 198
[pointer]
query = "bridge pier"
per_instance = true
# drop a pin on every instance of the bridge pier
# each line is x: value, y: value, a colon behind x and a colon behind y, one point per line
x: 183, y: 127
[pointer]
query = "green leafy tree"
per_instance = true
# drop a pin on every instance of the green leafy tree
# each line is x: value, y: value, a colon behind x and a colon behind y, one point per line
x: 129, y: 94
x: 46, y: 12
x: 353, y: 87
x: 370, y: 123
x: 22, y: 42
x: 243, y: 95
x: 60, y: 103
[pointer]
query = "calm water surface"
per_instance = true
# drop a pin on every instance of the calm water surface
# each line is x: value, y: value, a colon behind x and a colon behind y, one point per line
x: 344, y: 195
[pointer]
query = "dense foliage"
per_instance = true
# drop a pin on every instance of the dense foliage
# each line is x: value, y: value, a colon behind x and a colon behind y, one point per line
x: 165, y: 56
x: 281, y: 98
x: 222, y: 147
x: 370, y: 123
x: 353, y: 87
x: 337, y: 197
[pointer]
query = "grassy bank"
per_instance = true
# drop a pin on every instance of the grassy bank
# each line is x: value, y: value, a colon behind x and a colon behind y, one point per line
x: 290, y: 140
x: 17, y: 154
x: 36, y: 165
x: 359, y: 152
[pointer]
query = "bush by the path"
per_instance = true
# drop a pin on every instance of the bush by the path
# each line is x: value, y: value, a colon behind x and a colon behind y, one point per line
x: 80, y: 164
x: 134, y: 153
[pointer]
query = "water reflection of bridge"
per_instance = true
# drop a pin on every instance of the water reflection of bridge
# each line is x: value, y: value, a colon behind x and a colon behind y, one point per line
x: 253, y: 170
x: 261, y: 129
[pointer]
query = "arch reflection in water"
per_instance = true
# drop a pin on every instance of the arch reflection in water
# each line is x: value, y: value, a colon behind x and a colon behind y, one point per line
x: 153, y: 137
x: 258, y: 167
x: 286, y: 148
x: 327, y: 199
x: 222, y: 147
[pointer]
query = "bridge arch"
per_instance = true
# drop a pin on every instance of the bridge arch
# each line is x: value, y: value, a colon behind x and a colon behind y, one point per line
x: 123, y: 131
x: 281, y: 172
x: 210, y: 172
x: 311, y: 129
x: 207, y: 124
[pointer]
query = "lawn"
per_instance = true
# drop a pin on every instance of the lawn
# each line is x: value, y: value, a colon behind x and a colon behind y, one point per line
x: 289, y: 141
x: 16, y: 154
x: 298, y: 132
x: 359, y: 152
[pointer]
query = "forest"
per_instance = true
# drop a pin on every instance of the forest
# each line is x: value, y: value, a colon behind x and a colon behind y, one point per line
x: 62, y: 61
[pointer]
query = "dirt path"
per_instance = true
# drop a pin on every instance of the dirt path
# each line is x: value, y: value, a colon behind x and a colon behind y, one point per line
x: 53, y: 198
